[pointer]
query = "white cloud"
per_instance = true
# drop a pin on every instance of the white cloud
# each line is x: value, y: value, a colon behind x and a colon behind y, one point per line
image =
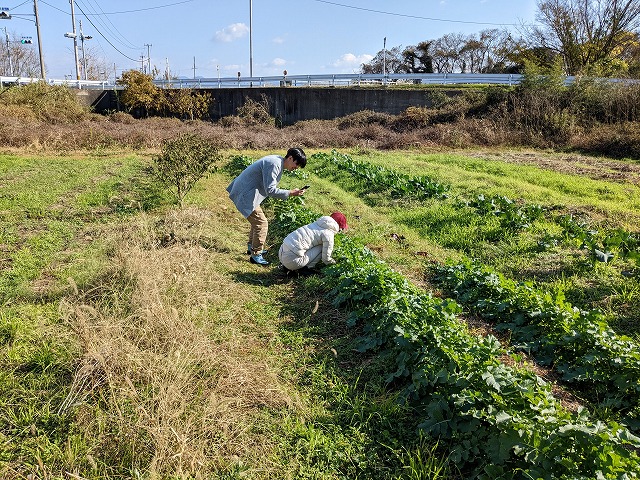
x: 232, y: 32
x: 278, y: 40
x: 274, y: 67
x: 349, y: 61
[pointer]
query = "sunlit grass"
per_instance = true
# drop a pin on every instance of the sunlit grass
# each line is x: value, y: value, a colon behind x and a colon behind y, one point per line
x: 123, y: 356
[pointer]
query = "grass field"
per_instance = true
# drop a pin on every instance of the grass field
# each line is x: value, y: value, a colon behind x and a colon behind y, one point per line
x: 137, y: 341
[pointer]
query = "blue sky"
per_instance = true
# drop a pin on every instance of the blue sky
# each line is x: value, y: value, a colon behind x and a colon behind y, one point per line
x: 300, y: 36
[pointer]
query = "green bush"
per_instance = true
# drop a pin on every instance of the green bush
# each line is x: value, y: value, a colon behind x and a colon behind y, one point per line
x: 185, y: 160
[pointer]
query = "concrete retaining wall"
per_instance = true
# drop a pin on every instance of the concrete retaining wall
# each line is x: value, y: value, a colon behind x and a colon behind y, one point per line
x: 292, y: 104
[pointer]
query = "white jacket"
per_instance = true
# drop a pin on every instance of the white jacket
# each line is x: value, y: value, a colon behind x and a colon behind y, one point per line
x: 320, y: 232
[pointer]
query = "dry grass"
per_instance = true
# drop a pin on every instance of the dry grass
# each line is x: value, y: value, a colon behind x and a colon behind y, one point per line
x: 416, y: 128
x: 176, y: 359
x: 591, y: 117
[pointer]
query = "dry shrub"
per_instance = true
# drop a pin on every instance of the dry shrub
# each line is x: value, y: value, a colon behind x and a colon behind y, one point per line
x: 448, y: 135
x: 230, y: 121
x: 122, y: 117
x: 166, y: 341
x: 364, y: 118
x: 544, y: 116
x: 251, y: 113
x: 620, y: 140
x: 407, y: 140
x: 485, y: 132
x: 599, y: 101
x: 412, y: 118
x: 319, y: 134
x: 17, y: 111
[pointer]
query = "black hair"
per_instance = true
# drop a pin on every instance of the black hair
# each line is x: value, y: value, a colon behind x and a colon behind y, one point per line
x: 298, y: 155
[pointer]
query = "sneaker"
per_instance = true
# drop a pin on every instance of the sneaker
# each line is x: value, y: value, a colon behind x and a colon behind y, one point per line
x: 249, y: 252
x: 258, y: 260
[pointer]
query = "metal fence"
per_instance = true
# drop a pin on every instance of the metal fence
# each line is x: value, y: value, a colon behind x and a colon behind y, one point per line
x: 343, y: 80
x: 324, y: 80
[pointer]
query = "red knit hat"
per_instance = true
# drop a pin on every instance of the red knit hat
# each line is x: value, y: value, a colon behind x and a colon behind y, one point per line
x: 340, y: 219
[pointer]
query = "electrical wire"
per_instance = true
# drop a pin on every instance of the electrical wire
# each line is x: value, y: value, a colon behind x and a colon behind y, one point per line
x: 413, y: 16
x: 102, y: 35
x: 117, y: 35
x: 18, y: 6
x: 151, y: 8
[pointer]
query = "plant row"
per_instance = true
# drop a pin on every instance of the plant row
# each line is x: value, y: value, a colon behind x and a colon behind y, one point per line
x: 497, y: 421
x: 513, y: 217
x: 380, y: 179
x: 579, y: 344
x: 602, y: 245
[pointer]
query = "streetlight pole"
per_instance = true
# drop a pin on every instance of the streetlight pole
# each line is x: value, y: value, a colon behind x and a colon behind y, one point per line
x: 384, y: 57
x: 251, y: 38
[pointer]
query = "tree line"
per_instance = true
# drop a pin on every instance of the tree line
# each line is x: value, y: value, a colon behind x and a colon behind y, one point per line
x: 583, y: 37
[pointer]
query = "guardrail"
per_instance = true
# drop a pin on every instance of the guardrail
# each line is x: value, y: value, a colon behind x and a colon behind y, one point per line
x: 323, y: 80
x: 343, y: 80
x: 79, y: 84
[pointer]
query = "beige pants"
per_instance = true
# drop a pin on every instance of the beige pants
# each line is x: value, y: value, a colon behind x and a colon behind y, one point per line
x: 258, y: 231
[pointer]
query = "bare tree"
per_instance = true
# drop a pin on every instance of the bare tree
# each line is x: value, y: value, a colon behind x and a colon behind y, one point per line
x: 417, y: 59
x: 18, y: 59
x: 389, y: 60
x: 489, y: 51
x: 97, y: 67
x: 499, y: 46
x: 584, y: 33
x: 472, y: 55
x: 446, y: 53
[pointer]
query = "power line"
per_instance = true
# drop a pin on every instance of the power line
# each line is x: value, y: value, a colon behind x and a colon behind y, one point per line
x: 18, y: 6
x: 102, y: 35
x: 151, y: 8
x: 414, y: 16
x: 117, y: 33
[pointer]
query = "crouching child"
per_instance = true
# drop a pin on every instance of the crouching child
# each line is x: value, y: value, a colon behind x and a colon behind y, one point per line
x: 306, y: 246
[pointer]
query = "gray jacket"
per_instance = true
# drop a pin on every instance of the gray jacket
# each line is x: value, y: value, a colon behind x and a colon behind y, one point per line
x: 257, y: 182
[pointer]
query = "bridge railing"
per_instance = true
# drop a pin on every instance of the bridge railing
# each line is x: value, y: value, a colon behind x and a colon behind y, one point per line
x: 80, y: 84
x: 320, y: 80
x: 342, y: 79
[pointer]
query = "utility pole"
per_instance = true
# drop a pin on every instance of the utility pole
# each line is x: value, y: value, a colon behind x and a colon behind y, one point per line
x: 84, y: 59
x: 194, y: 68
x: 8, y: 52
x: 148, y: 45
x: 35, y: 11
x: 75, y: 40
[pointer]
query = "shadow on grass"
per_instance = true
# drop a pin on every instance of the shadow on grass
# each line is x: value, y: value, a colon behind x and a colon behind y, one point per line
x: 262, y: 276
x: 351, y: 385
